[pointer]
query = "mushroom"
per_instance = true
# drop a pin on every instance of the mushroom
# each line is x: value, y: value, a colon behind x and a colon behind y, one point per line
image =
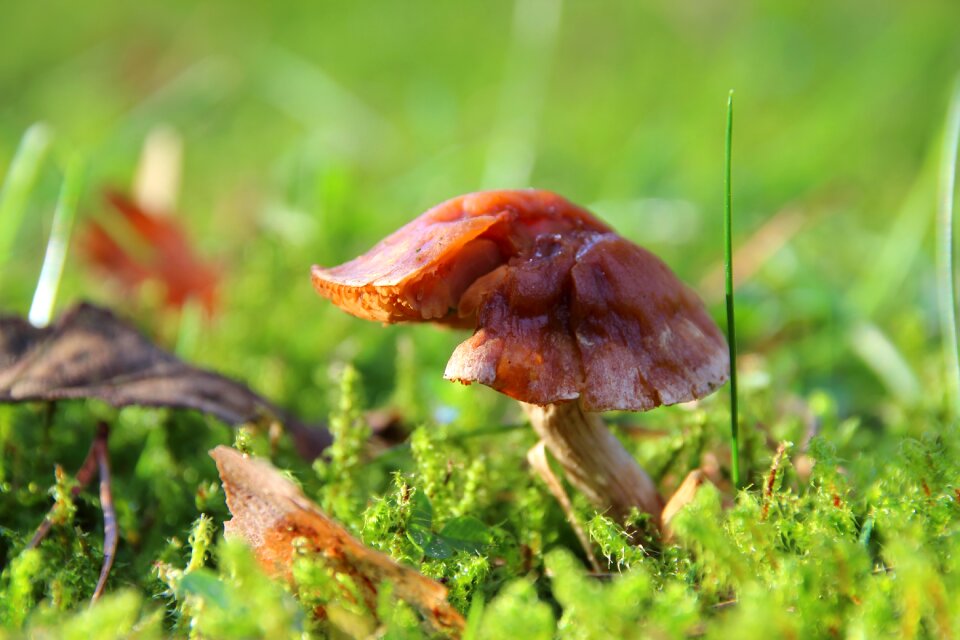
x: 569, y: 318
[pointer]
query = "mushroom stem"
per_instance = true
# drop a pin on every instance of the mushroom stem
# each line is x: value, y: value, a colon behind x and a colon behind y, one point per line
x: 594, y: 460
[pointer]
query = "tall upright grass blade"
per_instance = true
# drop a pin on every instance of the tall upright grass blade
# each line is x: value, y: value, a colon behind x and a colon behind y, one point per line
x: 728, y: 272
x: 947, y: 250
x: 45, y: 296
x: 18, y: 184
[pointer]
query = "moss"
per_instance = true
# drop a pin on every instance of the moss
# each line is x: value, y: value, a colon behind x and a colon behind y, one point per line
x: 340, y: 470
x: 846, y: 546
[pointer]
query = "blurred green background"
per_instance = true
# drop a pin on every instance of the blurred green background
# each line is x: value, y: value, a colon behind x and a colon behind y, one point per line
x: 310, y: 130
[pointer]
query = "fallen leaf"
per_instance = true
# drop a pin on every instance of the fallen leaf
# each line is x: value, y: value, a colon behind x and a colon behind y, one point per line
x: 90, y: 353
x: 169, y: 258
x: 684, y: 495
x: 270, y: 513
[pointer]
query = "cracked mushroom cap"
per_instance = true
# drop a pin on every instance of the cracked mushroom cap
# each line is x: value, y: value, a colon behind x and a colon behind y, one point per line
x: 562, y: 307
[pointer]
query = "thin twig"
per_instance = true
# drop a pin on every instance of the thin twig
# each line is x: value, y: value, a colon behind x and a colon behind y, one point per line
x: 725, y: 604
x: 97, y: 460
x: 106, y: 505
x: 83, y: 477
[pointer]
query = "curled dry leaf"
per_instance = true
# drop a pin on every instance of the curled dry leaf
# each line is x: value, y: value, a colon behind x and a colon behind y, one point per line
x: 90, y: 353
x: 270, y: 513
x: 684, y: 495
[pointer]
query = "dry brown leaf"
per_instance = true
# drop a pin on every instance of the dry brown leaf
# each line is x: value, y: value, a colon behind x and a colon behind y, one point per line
x: 90, y: 353
x: 683, y: 496
x: 270, y: 513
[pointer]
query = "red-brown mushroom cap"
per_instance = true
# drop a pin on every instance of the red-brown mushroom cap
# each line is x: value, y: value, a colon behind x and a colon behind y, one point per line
x: 563, y: 307
x: 592, y: 316
x: 420, y: 271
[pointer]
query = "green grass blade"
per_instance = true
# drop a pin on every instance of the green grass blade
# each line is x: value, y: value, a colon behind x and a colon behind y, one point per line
x: 947, y: 251
x: 731, y: 323
x: 19, y: 183
x: 45, y: 296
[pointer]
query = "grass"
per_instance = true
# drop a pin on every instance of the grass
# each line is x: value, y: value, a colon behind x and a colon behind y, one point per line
x: 54, y: 261
x: 18, y: 183
x: 728, y: 288
x: 310, y: 132
x: 949, y: 328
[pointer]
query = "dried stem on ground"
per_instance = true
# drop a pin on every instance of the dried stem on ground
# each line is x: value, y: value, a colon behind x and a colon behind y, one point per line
x: 83, y: 477
x: 110, y: 534
x: 97, y: 461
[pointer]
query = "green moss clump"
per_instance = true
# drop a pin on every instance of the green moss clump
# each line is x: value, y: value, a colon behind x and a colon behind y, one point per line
x: 830, y: 542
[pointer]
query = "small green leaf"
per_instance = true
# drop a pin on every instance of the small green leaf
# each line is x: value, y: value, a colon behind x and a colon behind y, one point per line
x: 466, y: 533
x: 437, y: 548
x: 205, y: 585
x: 420, y: 524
